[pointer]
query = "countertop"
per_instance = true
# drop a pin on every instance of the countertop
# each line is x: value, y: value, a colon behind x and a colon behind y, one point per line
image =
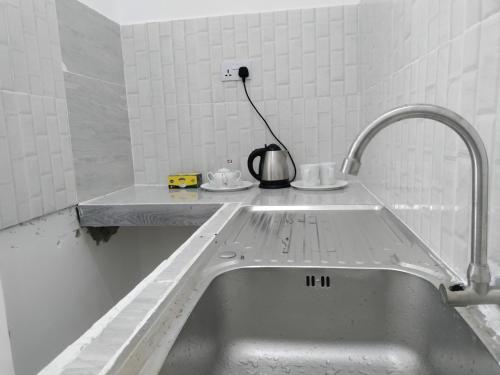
x: 146, y: 321
x: 157, y: 205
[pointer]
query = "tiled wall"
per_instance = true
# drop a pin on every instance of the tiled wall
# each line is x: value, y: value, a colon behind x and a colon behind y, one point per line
x: 97, y: 106
x: 38, y: 87
x: 304, y: 70
x: 444, y: 52
x: 36, y: 162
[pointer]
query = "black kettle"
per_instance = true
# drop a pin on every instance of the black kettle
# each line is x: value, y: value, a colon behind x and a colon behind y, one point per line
x: 273, y: 167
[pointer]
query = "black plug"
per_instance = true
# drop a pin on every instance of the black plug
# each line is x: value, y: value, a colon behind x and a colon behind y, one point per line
x: 243, y: 73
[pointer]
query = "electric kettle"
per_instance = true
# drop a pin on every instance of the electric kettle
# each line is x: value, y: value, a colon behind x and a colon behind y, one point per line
x: 273, y: 167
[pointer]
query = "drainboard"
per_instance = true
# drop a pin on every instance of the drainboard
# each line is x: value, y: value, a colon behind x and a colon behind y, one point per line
x: 326, y: 238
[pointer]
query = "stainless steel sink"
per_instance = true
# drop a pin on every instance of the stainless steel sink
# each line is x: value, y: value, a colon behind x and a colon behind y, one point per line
x: 325, y: 321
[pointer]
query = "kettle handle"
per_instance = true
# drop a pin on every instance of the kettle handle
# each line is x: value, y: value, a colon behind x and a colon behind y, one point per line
x: 260, y: 152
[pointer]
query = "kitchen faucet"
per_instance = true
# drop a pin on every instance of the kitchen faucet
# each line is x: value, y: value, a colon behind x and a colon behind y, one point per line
x: 478, y: 290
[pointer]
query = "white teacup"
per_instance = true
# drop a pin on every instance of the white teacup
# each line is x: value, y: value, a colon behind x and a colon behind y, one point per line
x: 224, y: 178
x: 310, y: 174
x: 327, y: 173
x: 233, y: 178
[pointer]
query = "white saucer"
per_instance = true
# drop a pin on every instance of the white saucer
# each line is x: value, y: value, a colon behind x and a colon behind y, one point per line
x: 242, y: 186
x: 338, y: 185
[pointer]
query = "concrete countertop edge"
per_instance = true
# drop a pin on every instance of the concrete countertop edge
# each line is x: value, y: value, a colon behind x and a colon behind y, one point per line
x: 206, y: 233
x: 157, y: 205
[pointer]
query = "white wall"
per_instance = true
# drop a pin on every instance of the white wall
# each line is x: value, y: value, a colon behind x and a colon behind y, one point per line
x: 127, y: 12
x: 57, y: 281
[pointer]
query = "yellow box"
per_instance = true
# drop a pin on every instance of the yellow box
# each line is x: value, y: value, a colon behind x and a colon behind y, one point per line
x: 184, y: 181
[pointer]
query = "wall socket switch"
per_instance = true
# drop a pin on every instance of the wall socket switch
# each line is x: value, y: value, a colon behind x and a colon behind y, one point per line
x: 229, y: 69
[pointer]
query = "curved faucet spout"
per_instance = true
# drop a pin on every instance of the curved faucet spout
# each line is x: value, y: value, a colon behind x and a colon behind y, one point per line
x: 478, y: 273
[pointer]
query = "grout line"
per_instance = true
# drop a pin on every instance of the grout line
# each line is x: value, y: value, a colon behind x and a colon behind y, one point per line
x: 7, y: 91
x: 94, y: 78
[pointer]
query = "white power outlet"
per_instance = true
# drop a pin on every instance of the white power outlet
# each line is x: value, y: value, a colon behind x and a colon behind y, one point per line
x: 229, y: 69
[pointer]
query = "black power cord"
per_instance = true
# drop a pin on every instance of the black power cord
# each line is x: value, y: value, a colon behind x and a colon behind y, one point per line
x: 243, y: 73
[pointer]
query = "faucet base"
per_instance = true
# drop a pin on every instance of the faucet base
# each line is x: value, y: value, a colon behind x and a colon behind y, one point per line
x: 479, y: 277
x: 459, y: 295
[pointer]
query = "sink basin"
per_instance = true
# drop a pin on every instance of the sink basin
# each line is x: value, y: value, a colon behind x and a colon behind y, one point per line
x: 325, y: 321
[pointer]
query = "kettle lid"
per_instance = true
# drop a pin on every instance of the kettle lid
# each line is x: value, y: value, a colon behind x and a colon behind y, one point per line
x: 273, y: 147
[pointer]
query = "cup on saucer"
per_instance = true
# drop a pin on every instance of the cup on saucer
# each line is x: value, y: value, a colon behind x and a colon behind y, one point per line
x: 224, y: 177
